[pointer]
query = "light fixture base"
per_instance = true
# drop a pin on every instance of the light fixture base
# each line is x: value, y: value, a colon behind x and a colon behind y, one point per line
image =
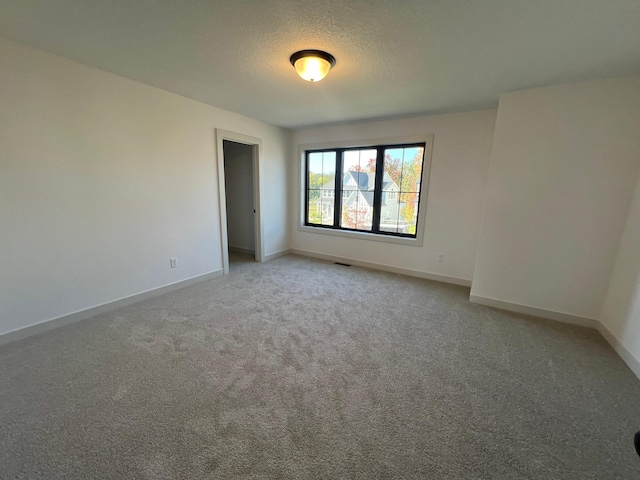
x: 312, y: 53
x: 312, y: 65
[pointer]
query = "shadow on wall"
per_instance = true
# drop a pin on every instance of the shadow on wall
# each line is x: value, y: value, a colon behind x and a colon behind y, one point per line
x: 621, y: 309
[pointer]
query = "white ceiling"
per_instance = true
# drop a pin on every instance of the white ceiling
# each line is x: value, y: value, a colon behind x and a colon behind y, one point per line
x: 394, y: 58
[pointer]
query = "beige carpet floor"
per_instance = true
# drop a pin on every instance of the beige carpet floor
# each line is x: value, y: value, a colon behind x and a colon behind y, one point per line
x: 299, y: 368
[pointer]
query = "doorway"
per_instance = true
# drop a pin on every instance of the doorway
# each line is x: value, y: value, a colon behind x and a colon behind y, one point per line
x: 239, y: 187
x: 238, y: 184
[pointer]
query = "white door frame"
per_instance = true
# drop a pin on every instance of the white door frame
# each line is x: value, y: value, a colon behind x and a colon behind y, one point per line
x: 256, y: 145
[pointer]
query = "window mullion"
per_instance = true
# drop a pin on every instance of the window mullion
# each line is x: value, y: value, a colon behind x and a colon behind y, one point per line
x: 306, y: 189
x: 337, y: 201
x: 409, y: 225
x: 377, y: 195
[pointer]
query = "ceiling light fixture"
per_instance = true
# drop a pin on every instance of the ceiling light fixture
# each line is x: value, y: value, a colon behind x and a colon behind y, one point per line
x: 312, y: 65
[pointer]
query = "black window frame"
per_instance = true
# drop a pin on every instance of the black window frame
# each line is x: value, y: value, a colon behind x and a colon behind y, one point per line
x: 377, y: 197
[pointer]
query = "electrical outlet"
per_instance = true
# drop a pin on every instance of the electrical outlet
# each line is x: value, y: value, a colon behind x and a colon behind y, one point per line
x: 174, y: 262
x: 441, y: 257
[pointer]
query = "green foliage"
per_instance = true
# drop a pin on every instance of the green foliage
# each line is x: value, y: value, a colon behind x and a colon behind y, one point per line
x: 315, y: 215
x: 316, y: 182
x: 406, y: 175
x: 407, y: 178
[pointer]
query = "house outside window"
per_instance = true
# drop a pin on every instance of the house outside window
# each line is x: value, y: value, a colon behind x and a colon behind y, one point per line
x: 377, y: 190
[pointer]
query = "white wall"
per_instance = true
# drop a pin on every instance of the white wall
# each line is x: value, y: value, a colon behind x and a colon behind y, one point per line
x: 103, y: 179
x: 238, y: 176
x: 563, y: 168
x: 460, y: 161
x: 621, y: 310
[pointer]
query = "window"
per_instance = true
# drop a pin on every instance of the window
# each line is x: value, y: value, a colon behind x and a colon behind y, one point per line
x: 376, y: 189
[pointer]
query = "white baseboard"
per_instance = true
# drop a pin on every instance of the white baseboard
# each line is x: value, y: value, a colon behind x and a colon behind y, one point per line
x: 271, y: 256
x: 632, y: 362
x: 627, y: 357
x: 536, y: 312
x: 56, y: 322
x: 386, y: 268
x: 245, y: 251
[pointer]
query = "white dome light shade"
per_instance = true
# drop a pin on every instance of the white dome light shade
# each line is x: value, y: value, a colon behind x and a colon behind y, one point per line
x: 312, y: 65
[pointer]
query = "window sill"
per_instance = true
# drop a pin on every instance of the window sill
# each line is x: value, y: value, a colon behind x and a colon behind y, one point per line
x: 414, y: 242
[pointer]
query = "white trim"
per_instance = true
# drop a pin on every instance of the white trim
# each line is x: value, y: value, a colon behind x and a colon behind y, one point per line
x: 536, y: 312
x: 256, y: 143
x: 361, y: 235
x: 56, y: 322
x: 385, y: 268
x: 627, y: 357
x: 427, y: 139
x: 367, y: 142
x: 281, y: 253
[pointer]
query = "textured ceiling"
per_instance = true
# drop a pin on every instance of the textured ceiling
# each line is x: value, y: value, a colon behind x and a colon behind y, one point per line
x: 394, y: 58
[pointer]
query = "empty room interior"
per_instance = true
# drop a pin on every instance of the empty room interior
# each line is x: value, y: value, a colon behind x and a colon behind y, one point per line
x: 293, y: 239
